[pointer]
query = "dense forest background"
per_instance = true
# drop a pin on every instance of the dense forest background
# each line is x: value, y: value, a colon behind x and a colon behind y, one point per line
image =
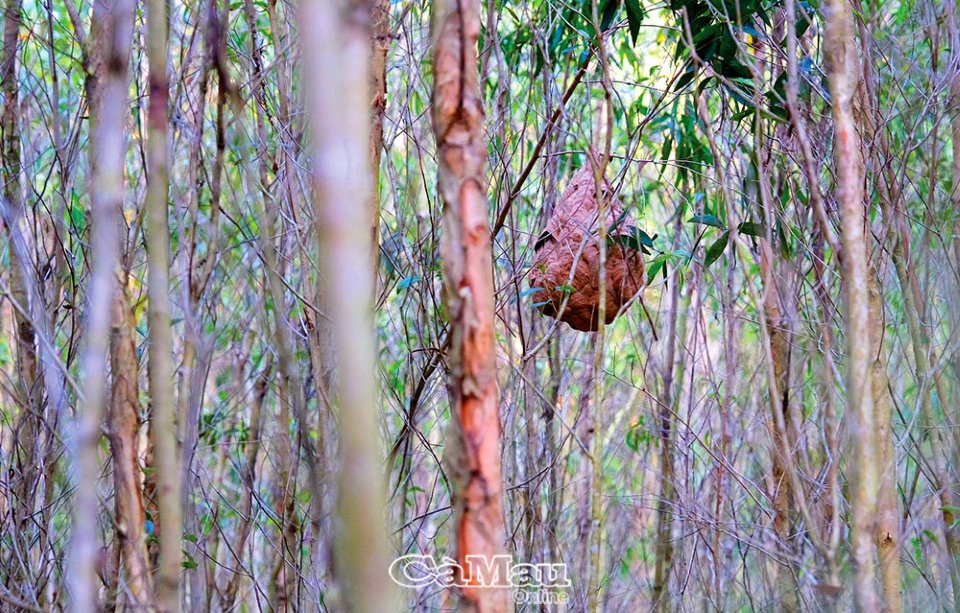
x: 250, y: 352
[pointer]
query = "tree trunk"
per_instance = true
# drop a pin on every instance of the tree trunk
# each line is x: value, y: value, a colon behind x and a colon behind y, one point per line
x: 337, y: 52
x: 778, y: 386
x: 474, y: 444
x: 124, y: 431
x: 164, y: 429
x: 29, y: 396
x: 893, y: 205
x: 888, y: 513
x: 666, y: 501
x: 106, y: 86
x: 380, y: 37
x: 245, y: 508
x: 954, y: 109
x: 840, y: 49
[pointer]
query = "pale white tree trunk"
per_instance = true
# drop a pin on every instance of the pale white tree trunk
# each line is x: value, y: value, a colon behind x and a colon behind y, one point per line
x: 107, y: 90
x: 337, y: 51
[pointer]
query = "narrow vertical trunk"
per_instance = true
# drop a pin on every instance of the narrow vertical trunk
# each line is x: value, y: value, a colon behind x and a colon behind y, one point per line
x: 283, y: 581
x: 532, y: 516
x: 893, y: 205
x: 28, y: 390
x: 164, y: 429
x: 888, y: 514
x: 831, y: 509
x: 106, y: 86
x: 286, y: 573
x: 553, y: 402
x: 954, y: 110
x: 474, y: 444
x: 552, y: 421
x: 124, y: 430
x: 380, y: 43
x: 291, y: 398
x: 663, y: 546
x: 54, y: 294
x: 603, y: 136
x: 189, y: 361
x: 779, y: 403
x: 245, y: 508
x: 840, y: 49
x: 337, y: 67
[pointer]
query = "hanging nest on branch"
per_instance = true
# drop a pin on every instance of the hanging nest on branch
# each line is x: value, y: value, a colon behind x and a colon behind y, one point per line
x: 566, y: 266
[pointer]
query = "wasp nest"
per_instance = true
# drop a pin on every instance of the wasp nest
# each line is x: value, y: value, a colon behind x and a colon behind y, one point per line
x: 566, y: 266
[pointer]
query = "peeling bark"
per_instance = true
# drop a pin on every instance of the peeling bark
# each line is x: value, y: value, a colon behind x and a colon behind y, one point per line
x: 474, y: 454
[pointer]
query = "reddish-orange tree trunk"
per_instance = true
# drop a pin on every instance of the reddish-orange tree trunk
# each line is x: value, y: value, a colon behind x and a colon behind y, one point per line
x: 474, y: 458
x: 124, y: 428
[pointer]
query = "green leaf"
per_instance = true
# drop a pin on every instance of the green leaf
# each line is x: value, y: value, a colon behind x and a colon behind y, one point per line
x: 667, y: 147
x: 609, y: 11
x: 707, y: 219
x: 634, y: 238
x: 637, y: 436
x: 655, y: 268
x: 715, y: 250
x: 616, y: 224
x: 634, y: 17
x: 751, y: 228
x: 188, y: 561
x: 688, y: 74
x: 530, y: 290
x: 192, y: 538
x: 803, y: 21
